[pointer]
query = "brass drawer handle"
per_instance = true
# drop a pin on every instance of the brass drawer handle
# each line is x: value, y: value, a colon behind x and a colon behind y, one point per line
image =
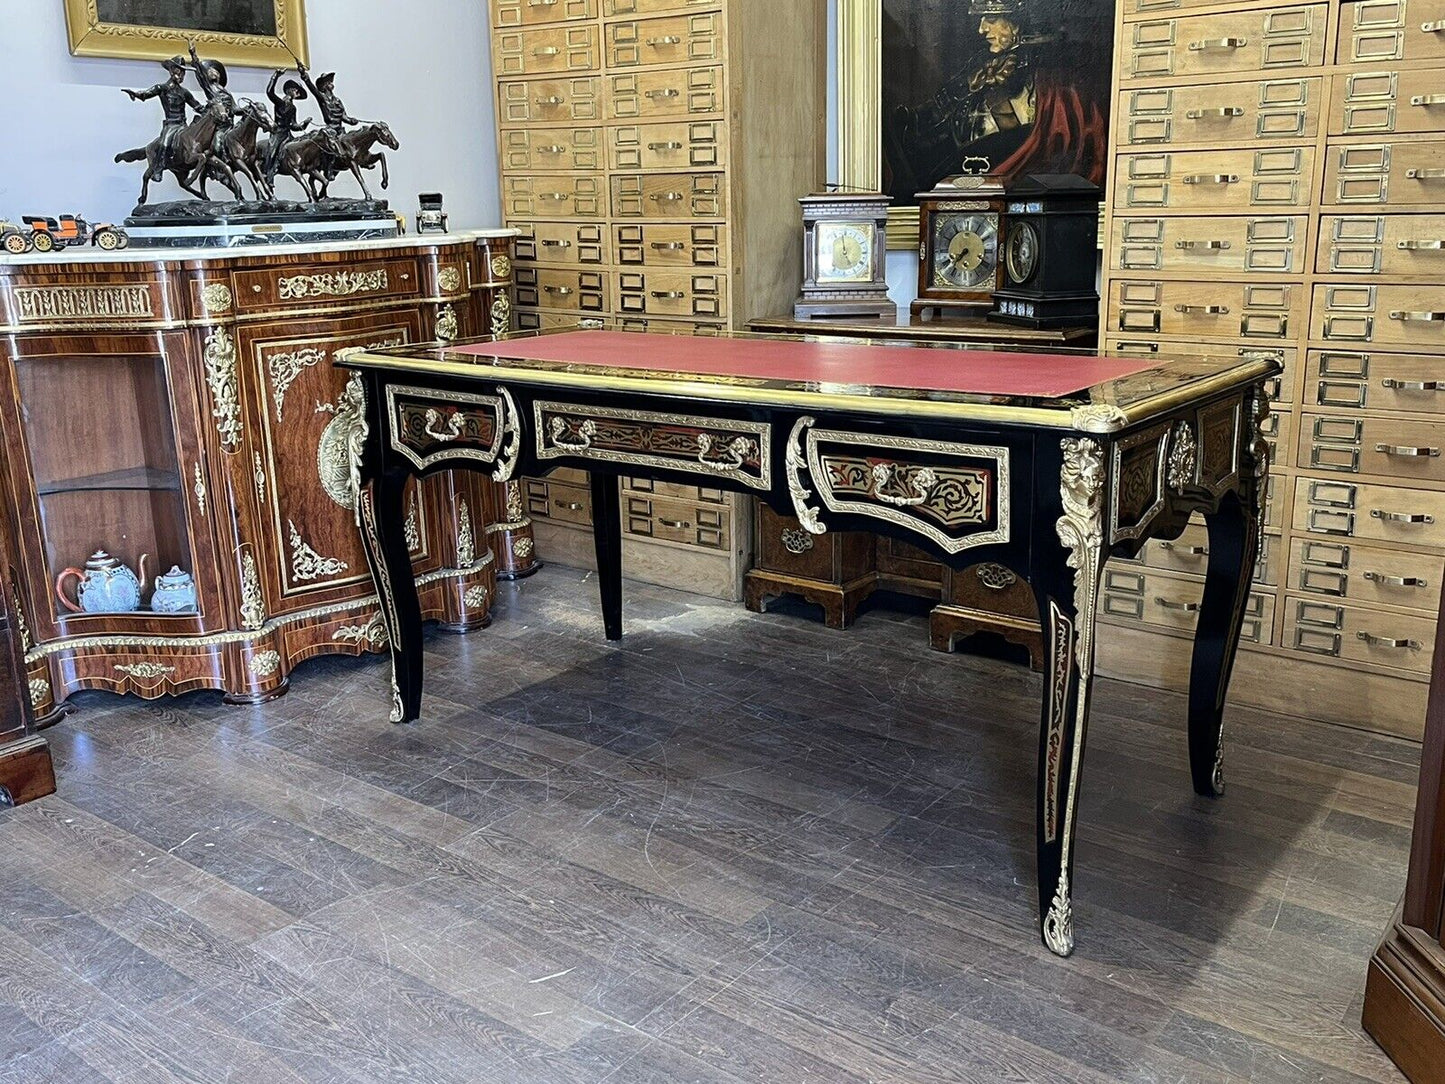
x: 666, y: 197
x: 735, y: 452
x: 553, y: 100
x: 1210, y: 178
x: 666, y: 39
x: 1412, y: 385
x: 1402, y: 517
x: 1427, y: 99
x: 1217, y: 43
x: 1185, y: 607
x: 669, y: 246
x: 1222, y: 111
x: 922, y: 483
x: 1387, y: 641
x: 560, y: 291
x: 585, y: 432
x: 454, y: 425
x: 667, y: 92
x: 1407, y: 317
x: 666, y: 145
x: 1425, y: 174
x: 541, y: 3
x: 558, y: 196
x: 1219, y: 246
x: 546, y: 50
x: 556, y: 244
x: 1421, y: 245
x: 1203, y: 310
x: 551, y: 148
x: 1187, y: 551
x: 1407, y: 450
x: 669, y: 294
x: 1395, y: 581
x: 675, y: 524
x: 1433, y: 28
x: 569, y: 506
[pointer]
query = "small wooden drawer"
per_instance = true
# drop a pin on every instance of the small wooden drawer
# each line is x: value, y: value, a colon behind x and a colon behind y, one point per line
x: 1189, y: 553
x: 676, y: 491
x: 548, y: 101
x: 1278, y: 429
x: 1372, y: 31
x: 1402, y: 175
x: 784, y: 545
x: 546, y: 49
x: 1369, y: 574
x: 672, y: 293
x: 140, y: 673
x: 678, y: 39
x: 554, y: 196
x: 1234, y: 181
x: 1205, y: 309
x: 539, y: 150
x: 513, y: 13
x: 1373, y: 638
x: 545, y: 287
x: 1237, y: 41
x: 1337, y: 508
x: 561, y: 244
x: 1357, y: 380
x: 695, y: 245
x: 694, y: 144
x: 1235, y: 114
x: 1387, y: 102
x: 670, y: 327
x: 1404, y: 450
x: 662, y: 95
x: 1388, y: 315
x: 1210, y: 244
x: 428, y: 426
x: 553, y: 320
x: 669, y: 195
x: 1139, y: 595
x: 1143, y: 9
x: 1393, y: 245
x: 706, y: 526
x: 710, y: 447
x: 283, y: 288
x: 563, y: 502
x: 613, y: 8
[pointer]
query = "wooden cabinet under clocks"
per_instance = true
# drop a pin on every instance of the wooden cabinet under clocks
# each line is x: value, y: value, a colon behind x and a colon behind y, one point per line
x: 183, y: 406
x: 960, y: 230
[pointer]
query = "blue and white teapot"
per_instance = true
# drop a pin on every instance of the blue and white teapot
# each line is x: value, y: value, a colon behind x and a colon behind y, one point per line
x: 105, y: 586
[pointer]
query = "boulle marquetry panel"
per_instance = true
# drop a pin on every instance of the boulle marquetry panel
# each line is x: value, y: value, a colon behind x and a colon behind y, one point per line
x: 189, y: 410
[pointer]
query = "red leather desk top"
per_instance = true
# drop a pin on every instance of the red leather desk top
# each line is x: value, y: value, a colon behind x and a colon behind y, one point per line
x: 968, y: 372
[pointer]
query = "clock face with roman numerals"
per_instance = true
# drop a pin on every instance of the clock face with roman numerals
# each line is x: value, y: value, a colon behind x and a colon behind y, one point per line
x: 844, y: 252
x: 965, y: 249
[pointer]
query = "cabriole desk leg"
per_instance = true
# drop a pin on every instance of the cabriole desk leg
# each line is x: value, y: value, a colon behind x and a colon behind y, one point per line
x: 382, y: 514
x: 607, y: 538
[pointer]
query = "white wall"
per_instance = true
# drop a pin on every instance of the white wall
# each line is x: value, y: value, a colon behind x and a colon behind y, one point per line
x: 423, y: 66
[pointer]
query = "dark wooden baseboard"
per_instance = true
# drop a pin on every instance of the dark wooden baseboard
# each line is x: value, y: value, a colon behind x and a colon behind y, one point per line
x: 1405, y: 1002
x: 25, y: 769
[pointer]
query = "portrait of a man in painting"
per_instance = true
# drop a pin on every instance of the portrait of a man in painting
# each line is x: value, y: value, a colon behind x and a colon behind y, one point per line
x: 219, y: 16
x: 997, y: 86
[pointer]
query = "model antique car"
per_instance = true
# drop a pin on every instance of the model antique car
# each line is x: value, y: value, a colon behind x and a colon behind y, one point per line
x: 46, y: 233
x: 14, y: 239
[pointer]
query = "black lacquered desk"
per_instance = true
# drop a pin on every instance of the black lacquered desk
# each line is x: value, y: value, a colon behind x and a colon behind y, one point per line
x: 1046, y: 464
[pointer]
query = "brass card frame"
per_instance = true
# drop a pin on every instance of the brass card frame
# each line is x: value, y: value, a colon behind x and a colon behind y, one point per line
x: 91, y: 36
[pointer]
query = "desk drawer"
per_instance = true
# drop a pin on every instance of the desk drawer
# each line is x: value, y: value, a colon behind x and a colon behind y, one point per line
x: 1233, y: 114
x: 428, y: 425
x: 1238, y: 41
x: 1356, y: 573
x: 1364, y: 444
x: 672, y: 294
x: 554, y: 196
x: 695, y: 144
x: 1210, y: 244
x: 554, y: 320
x: 1233, y: 181
x: 1212, y: 310
x: 281, y: 288
x: 660, y: 245
x: 678, y: 39
x: 1388, y: 101
x: 561, y: 244
x: 1384, y: 315
x: 531, y: 150
x: 1376, y: 30
x: 546, y: 49
x: 1382, y: 244
x: 513, y: 13
x: 1336, y: 508
x: 563, y: 502
x: 1402, y: 175
x: 548, y: 101
x: 1189, y: 553
x: 705, y: 526
x: 1369, y: 380
x: 582, y: 291
x: 669, y: 195
x: 1372, y: 637
x: 611, y: 8
x: 670, y: 327
x: 662, y: 95
x: 676, y: 491
x: 1147, y: 597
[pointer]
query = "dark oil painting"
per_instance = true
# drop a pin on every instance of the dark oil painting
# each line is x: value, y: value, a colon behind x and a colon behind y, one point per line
x: 216, y: 16
x: 1006, y: 87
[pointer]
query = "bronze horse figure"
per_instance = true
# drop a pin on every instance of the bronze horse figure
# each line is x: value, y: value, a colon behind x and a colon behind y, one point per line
x: 188, y: 155
x: 238, y: 149
x: 304, y: 157
x: 359, y: 155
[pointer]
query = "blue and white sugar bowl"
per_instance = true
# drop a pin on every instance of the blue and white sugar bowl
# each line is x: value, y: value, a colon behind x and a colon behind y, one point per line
x: 175, y: 593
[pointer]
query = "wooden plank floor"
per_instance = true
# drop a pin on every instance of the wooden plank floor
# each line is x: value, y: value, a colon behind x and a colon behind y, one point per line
x: 731, y: 848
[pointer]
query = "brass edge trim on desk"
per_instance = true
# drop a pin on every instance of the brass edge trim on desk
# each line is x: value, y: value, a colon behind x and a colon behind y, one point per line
x: 1108, y: 418
x: 109, y: 327
x: 201, y: 640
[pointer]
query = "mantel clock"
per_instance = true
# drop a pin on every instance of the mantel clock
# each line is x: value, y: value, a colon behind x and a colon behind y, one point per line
x: 1049, y: 251
x: 960, y: 223
x: 844, y: 244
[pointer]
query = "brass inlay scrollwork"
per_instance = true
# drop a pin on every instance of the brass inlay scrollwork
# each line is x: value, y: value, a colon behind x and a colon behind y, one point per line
x: 264, y: 663
x: 501, y: 315
x: 466, y: 542
x: 449, y: 279
x: 39, y: 691
x: 448, y: 327
x: 1183, y: 457
x: 220, y: 362
x: 306, y: 563
x: 144, y: 671
x: 338, y: 453
x: 332, y: 284
x: 216, y: 297
x: 83, y: 302
x: 796, y: 541
x: 793, y: 463
x: 199, y: 488
x: 253, y: 605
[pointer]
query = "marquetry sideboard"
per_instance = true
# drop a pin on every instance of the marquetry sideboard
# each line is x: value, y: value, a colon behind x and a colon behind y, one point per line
x: 182, y: 406
x: 1277, y: 177
x: 651, y: 155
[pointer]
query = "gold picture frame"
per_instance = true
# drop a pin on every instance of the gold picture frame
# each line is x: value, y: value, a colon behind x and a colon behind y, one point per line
x: 90, y: 35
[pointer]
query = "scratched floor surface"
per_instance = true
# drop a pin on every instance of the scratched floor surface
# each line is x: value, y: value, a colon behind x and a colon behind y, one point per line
x: 733, y: 848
